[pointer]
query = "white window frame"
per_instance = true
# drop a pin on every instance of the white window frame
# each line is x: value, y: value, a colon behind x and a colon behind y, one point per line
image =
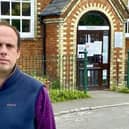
x: 31, y: 18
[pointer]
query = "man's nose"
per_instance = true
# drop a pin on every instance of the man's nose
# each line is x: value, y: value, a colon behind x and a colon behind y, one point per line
x: 3, y: 50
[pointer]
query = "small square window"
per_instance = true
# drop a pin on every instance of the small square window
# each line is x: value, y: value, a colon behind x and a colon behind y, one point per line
x: 16, y: 9
x: 26, y: 9
x: 5, y: 8
x: 16, y: 23
x: 25, y: 25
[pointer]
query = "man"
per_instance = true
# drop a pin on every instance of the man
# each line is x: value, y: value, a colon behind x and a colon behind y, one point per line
x: 24, y: 102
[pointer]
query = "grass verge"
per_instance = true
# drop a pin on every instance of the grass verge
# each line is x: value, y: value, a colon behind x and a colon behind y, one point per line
x: 65, y: 95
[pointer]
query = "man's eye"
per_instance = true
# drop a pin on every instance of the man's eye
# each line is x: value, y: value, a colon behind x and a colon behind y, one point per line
x: 9, y: 45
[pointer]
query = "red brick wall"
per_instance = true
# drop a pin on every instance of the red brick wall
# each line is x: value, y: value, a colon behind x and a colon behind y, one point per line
x: 51, y: 39
x: 51, y: 49
x: 31, y: 47
x: 31, y: 56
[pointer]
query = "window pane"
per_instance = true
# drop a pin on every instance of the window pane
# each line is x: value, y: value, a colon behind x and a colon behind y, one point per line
x: 25, y: 25
x: 16, y: 23
x: 5, y: 8
x: 26, y: 9
x: 126, y: 27
x: 16, y: 9
x: 19, y: 13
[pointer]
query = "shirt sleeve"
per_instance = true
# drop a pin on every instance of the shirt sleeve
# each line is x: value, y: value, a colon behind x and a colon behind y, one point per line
x: 44, y: 112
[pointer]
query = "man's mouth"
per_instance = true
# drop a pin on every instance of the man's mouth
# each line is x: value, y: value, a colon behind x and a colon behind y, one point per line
x: 4, y: 61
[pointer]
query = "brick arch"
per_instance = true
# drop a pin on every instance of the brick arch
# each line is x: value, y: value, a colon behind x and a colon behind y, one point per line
x: 71, y: 23
x: 80, y: 12
x: 84, y: 9
x: 102, y: 7
x: 72, y: 19
x: 110, y: 17
x: 69, y: 29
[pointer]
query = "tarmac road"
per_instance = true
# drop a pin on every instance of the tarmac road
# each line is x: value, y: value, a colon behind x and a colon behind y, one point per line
x: 105, y: 110
x: 102, y: 118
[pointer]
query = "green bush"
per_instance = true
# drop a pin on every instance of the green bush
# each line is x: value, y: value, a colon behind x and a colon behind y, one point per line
x: 64, y: 95
x: 121, y: 89
x: 55, y: 84
x: 113, y: 88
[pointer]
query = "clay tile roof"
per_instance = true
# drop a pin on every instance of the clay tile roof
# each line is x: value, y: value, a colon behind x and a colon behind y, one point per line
x: 55, y: 7
x: 58, y: 7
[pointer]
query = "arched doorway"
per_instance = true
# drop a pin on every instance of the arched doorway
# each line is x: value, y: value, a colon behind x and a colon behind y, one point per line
x: 94, y: 34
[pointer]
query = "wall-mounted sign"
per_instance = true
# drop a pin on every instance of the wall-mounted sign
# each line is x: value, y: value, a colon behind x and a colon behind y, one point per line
x: 118, y: 39
x: 92, y: 49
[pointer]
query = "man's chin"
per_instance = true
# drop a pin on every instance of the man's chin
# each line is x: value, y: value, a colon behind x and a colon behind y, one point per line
x: 5, y: 70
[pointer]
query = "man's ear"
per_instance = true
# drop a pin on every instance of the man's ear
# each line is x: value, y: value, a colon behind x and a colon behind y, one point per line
x: 18, y: 53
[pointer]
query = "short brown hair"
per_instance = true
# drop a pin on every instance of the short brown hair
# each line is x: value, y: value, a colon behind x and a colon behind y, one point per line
x: 15, y: 30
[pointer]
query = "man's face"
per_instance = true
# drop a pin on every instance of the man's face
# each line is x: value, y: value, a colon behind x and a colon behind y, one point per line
x: 9, y: 51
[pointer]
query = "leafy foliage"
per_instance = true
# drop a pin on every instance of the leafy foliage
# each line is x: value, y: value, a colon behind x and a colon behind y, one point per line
x: 64, y: 95
x: 55, y: 84
x: 121, y: 89
x: 58, y: 95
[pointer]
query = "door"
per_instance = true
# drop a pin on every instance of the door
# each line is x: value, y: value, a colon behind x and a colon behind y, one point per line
x: 97, y: 44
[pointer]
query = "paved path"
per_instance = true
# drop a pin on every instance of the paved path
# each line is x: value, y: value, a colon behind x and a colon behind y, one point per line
x: 99, y: 99
x: 105, y: 118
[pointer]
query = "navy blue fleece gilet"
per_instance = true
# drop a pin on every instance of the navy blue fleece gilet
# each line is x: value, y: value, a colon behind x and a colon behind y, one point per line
x: 17, y: 101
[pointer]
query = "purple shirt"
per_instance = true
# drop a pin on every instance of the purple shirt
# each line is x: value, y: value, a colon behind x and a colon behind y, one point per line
x: 44, y: 112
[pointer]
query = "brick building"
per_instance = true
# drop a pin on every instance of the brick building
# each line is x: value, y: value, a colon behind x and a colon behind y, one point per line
x: 68, y: 30
x: 63, y: 28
